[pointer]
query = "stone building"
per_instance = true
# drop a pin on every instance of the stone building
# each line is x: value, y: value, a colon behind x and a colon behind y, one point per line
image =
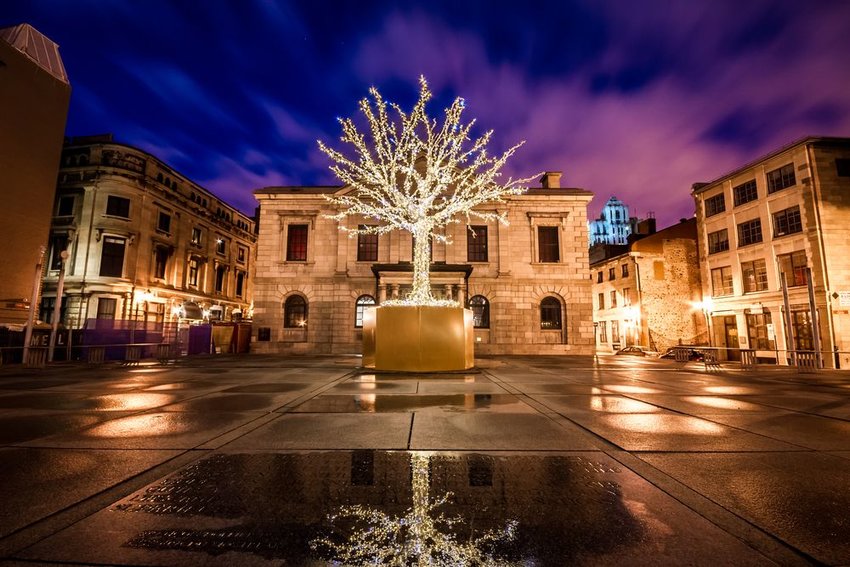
x: 34, y: 96
x: 648, y: 294
x: 783, y: 215
x: 525, y: 282
x: 143, y: 241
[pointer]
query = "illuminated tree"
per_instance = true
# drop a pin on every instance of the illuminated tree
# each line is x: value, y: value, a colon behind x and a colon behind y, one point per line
x: 411, y: 173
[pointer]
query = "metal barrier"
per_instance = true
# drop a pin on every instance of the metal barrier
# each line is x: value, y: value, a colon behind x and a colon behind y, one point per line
x: 748, y: 359
x: 682, y: 354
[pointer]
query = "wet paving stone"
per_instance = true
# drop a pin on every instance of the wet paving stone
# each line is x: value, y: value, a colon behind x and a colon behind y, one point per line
x: 18, y: 428
x: 230, y: 402
x: 268, y: 388
x: 379, y: 403
x: 374, y: 507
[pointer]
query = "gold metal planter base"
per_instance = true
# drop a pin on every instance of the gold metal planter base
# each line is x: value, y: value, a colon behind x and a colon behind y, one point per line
x: 418, y: 338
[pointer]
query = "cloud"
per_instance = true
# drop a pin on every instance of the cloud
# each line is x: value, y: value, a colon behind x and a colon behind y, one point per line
x: 711, y: 97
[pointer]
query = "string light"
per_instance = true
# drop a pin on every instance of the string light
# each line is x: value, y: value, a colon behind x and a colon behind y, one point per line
x: 377, y: 538
x: 416, y: 175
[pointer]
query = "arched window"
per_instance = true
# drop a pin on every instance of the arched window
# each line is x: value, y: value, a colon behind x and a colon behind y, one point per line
x: 480, y: 312
x: 359, y: 306
x: 550, y: 313
x: 295, y: 312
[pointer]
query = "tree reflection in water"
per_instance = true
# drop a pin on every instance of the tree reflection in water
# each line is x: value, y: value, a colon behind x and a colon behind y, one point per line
x: 422, y: 536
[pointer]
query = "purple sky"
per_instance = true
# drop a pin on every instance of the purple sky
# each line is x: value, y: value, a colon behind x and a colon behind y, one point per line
x: 633, y: 99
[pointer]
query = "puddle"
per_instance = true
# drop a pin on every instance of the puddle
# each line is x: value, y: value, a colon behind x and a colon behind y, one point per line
x: 389, y: 507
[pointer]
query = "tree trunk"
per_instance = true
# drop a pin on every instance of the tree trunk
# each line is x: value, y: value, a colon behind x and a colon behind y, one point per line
x: 421, y: 293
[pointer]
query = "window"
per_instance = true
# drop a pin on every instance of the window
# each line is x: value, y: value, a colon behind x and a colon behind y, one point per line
x: 196, y: 236
x: 781, y: 178
x: 625, y: 270
x: 220, y: 273
x: 745, y: 192
x: 192, y: 277
x: 601, y: 302
x: 754, y: 275
x: 603, y: 332
x: 718, y: 241
x: 160, y: 256
x: 359, y: 306
x: 106, y: 307
x: 220, y: 246
x: 118, y: 207
x: 615, y: 331
x: 787, y: 221
x: 240, y: 283
x: 794, y: 267
x: 241, y: 254
x: 164, y: 222
x: 749, y: 232
x: 112, y: 257
x: 613, y: 298
x: 550, y: 313
x: 611, y: 274
x: 757, y: 331
x: 715, y: 204
x: 801, y: 325
x: 599, y: 277
x: 60, y: 244
x: 367, y: 246
x: 721, y: 281
x: 627, y: 296
x: 476, y: 244
x: 296, y: 243
x: 547, y: 243
x: 480, y: 312
x: 842, y: 167
x: 295, y: 311
x: 66, y: 206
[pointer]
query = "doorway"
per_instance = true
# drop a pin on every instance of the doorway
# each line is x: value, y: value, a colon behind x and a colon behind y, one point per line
x: 730, y: 335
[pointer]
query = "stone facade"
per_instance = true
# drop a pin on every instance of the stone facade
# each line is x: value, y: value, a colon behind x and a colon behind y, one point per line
x: 143, y: 241
x: 649, y: 295
x: 34, y: 98
x: 783, y: 213
x: 510, y: 277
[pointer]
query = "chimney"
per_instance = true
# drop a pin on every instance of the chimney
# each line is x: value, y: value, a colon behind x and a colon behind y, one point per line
x: 551, y: 180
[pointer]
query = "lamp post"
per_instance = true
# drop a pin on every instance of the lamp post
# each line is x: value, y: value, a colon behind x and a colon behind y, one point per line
x: 57, y: 305
x: 33, y: 300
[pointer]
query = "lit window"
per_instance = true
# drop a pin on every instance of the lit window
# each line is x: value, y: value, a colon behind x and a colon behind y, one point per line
x: 550, y: 313
x: 754, y: 275
x: 360, y: 306
x: 480, y: 311
x: 794, y: 267
x: 295, y: 312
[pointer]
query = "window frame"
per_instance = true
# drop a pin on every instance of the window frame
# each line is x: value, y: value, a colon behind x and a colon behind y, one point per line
x: 116, y: 205
x: 360, y: 305
x: 749, y: 232
x: 367, y: 245
x: 296, y: 250
x: 790, y: 218
x: 797, y: 271
x: 744, y: 193
x: 547, y: 309
x: 715, y: 205
x: 758, y: 281
x: 112, y: 240
x: 718, y: 245
x: 546, y: 248
x: 757, y: 330
x: 625, y: 271
x: 167, y: 224
x: 480, y: 311
x: 477, y: 244
x: 781, y: 178
x: 294, y: 306
x: 725, y: 277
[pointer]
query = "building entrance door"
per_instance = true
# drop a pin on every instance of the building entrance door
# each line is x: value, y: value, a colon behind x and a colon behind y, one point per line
x: 730, y: 327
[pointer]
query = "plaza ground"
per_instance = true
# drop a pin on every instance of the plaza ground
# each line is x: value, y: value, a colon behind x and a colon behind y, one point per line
x: 243, y: 460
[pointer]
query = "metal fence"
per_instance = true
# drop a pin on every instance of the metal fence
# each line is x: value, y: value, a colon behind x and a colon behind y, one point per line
x: 749, y: 359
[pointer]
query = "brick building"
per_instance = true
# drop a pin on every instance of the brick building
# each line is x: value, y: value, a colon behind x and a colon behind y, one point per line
x: 525, y: 282
x: 143, y: 241
x: 786, y: 213
x: 645, y: 293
